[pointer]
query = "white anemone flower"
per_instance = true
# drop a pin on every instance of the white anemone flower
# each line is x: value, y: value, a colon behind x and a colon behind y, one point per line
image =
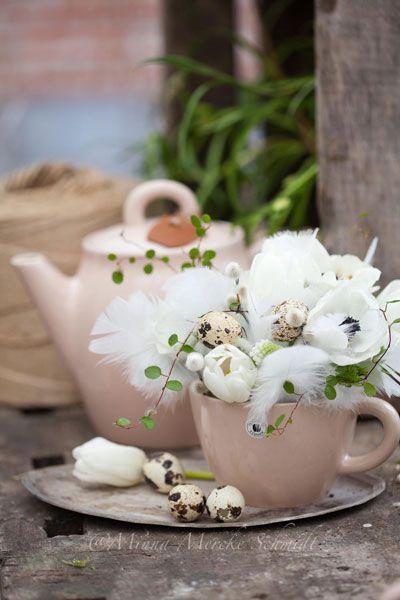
x: 134, y: 334
x: 387, y: 301
x: 229, y: 373
x: 348, y: 267
x: 347, y: 324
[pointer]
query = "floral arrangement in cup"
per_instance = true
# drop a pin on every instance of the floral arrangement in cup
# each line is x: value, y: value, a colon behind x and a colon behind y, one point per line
x: 300, y: 325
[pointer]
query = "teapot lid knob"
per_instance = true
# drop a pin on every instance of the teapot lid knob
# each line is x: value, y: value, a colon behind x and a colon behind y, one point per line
x: 145, y: 193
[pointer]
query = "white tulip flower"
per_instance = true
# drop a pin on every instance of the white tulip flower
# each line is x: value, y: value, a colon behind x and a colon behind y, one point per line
x: 104, y: 462
x: 229, y: 373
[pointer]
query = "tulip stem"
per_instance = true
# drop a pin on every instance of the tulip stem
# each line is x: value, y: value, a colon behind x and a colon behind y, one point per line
x: 204, y: 475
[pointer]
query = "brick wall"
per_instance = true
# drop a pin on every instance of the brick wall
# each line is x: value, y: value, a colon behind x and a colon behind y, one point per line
x: 78, y: 47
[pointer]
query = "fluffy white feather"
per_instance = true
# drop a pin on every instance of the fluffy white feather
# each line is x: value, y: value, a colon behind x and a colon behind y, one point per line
x: 135, y: 335
x: 196, y: 291
x: 304, y: 366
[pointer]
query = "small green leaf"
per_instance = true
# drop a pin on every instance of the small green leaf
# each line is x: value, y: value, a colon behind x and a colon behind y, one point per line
x: 112, y: 256
x: 206, y: 263
x: 395, y: 321
x: 290, y: 420
x: 147, y: 421
x: 330, y: 392
x: 117, y: 277
x: 150, y: 254
x: 123, y: 422
x: 148, y: 268
x: 78, y: 563
x: 174, y: 385
x: 288, y: 387
x: 279, y: 420
x: 206, y: 218
x: 195, y: 221
x: 186, y: 265
x: 194, y: 253
x: 270, y: 429
x: 369, y: 389
x: 209, y: 254
x: 186, y: 348
x: 165, y: 259
x: 392, y: 301
x: 332, y: 380
x: 200, y: 232
x: 173, y: 339
x: 153, y: 372
x: 132, y: 259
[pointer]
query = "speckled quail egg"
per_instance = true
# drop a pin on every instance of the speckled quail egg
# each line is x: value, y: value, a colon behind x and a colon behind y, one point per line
x: 293, y: 315
x: 186, y: 502
x: 225, y: 504
x: 217, y: 328
x: 163, y: 472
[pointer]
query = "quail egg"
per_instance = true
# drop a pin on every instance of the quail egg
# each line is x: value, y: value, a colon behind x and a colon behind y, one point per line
x: 186, y: 502
x: 217, y: 328
x: 292, y: 315
x: 163, y: 472
x: 225, y: 504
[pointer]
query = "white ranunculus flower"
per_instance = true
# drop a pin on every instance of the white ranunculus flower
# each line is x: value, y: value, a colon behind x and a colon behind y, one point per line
x: 229, y: 373
x: 104, y: 462
x: 346, y: 323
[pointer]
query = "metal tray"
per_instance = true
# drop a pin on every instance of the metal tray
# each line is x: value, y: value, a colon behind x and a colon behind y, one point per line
x: 141, y: 504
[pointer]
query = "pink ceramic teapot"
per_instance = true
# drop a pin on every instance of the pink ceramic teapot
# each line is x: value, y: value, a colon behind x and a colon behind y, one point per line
x: 70, y: 306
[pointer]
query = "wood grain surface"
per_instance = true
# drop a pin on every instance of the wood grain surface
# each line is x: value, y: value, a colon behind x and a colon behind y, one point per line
x: 358, y: 85
x: 331, y: 557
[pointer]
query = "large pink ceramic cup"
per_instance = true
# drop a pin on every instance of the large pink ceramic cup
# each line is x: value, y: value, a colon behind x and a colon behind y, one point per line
x: 295, y: 468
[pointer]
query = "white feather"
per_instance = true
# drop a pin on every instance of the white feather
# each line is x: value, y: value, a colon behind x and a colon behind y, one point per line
x: 304, y: 366
x: 196, y: 291
x: 369, y: 257
x: 135, y: 336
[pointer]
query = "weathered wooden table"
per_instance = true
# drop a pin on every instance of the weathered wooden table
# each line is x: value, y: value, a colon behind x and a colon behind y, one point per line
x: 338, y: 556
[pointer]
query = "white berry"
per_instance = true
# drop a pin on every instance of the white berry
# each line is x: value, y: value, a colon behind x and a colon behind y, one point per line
x: 233, y: 269
x: 225, y: 504
x: 163, y: 472
x: 195, y: 361
x: 186, y: 502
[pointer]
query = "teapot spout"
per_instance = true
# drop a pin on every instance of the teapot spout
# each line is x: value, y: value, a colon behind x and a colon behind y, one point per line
x: 51, y: 292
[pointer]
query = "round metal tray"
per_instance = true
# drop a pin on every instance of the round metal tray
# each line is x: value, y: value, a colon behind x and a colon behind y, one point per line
x: 141, y: 504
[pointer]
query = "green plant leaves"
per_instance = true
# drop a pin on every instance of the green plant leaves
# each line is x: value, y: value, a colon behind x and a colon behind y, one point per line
x: 279, y: 421
x: 117, y: 277
x: 173, y: 339
x: 147, y: 421
x: 369, y: 389
x: 174, y: 385
x: 330, y: 392
x: 153, y: 372
x: 123, y: 422
x: 288, y: 387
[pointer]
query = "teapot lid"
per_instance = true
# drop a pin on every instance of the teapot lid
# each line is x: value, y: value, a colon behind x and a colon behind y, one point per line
x: 172, y: 234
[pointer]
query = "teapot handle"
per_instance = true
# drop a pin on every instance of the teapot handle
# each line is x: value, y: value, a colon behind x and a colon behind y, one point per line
x: 139, y: 198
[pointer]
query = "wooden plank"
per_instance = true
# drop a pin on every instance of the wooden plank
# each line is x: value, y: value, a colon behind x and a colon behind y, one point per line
x: 331, y: 557
x: 358, y: 84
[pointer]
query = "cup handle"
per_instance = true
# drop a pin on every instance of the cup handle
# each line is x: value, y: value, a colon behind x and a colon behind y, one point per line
x: 390, y: 420
x: 144, y: 193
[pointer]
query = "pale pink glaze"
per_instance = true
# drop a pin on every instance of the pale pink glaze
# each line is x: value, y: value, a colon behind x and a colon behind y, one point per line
x: 70, y: 306
x: 299, y: 466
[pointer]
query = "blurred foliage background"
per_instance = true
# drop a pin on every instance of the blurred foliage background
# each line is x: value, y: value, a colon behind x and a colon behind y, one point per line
x: 252, y: 161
